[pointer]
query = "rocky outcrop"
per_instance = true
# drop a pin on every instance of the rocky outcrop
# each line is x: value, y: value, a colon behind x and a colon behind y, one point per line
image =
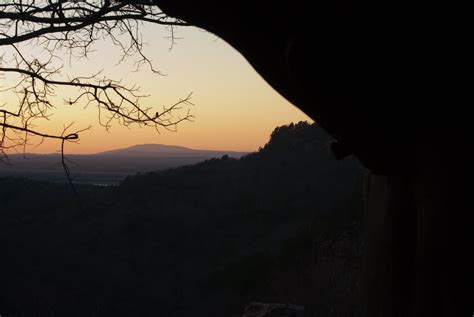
x: 257, y: 309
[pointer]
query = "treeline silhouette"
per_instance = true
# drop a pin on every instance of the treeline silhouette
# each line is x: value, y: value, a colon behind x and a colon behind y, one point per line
x: 278, y: 225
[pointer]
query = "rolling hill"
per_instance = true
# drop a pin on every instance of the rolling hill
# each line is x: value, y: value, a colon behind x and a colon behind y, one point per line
x: 108, y: 167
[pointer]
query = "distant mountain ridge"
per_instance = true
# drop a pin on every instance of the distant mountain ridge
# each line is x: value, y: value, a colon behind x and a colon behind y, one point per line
x: 162, y: 150
x: 108, y: 167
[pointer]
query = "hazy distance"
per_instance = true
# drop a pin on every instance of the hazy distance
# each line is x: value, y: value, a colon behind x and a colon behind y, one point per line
x: 109, y: 167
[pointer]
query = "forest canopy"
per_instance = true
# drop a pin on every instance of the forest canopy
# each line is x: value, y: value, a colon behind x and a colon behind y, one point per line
x: 277, y: 225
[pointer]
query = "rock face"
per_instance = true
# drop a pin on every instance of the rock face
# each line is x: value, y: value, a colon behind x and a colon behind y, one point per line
x: 273, y: 310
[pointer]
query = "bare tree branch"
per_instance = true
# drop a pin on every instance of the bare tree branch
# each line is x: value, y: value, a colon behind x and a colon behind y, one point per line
x: 25, y: 20
x: 73, y: 27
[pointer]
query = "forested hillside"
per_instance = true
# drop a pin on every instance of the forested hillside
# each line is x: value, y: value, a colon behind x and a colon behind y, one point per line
x: 277, y: 225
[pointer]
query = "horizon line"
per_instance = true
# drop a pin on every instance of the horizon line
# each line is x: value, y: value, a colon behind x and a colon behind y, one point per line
x: 127, y: 147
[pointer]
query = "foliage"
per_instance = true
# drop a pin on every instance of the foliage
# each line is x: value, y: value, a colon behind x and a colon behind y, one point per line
x: 277, y: 225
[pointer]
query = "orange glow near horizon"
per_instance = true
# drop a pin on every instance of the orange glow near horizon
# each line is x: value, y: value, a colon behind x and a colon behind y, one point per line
x: 235, y: 109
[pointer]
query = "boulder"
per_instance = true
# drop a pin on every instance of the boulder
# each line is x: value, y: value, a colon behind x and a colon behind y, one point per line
x: 257, y: 309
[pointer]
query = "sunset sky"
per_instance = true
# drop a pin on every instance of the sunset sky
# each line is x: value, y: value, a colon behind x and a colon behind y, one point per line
x: 234, y: 108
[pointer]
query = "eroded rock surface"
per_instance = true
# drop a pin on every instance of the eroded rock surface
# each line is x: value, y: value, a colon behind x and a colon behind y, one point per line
x: 257, y: 309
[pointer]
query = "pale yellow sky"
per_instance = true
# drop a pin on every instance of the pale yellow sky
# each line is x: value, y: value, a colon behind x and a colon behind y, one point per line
x: 234, y: 108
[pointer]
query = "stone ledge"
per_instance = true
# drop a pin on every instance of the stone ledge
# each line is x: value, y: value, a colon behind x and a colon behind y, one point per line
x: 257, y: 309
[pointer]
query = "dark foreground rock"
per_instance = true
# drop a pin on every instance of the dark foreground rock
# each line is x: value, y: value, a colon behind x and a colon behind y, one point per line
x: 273, y: 310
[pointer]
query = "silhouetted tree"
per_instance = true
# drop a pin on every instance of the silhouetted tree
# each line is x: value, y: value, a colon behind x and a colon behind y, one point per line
x: 72, y: 27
